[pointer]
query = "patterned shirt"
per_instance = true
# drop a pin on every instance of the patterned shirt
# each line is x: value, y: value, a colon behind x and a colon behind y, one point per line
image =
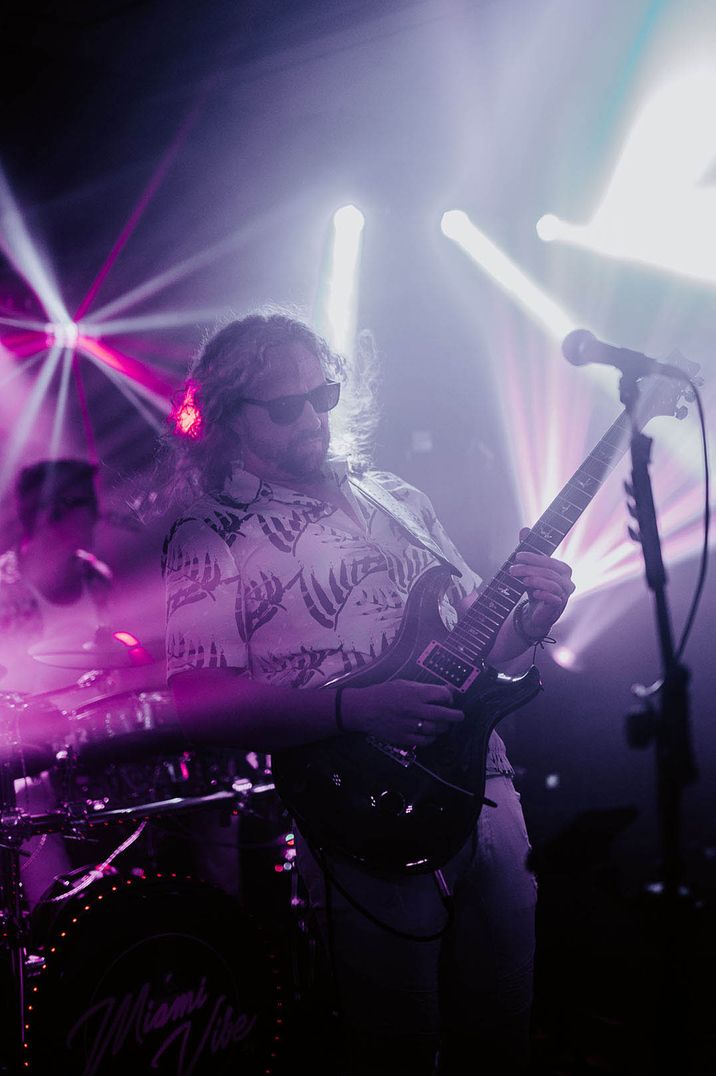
x: 291, y: 589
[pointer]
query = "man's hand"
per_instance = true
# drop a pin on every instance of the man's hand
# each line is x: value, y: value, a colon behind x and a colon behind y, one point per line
x: 549, y: 586
x: 400, y: 711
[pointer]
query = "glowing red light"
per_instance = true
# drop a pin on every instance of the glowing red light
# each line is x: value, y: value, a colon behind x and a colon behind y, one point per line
x: 186, y: 416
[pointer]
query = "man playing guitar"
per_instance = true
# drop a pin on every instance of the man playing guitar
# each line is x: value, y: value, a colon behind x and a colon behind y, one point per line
x: 288, y: 571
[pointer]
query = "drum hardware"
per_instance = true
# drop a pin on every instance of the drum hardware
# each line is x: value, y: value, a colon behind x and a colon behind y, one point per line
x: 12, y: 927
x: 30, y: 729
x: 76, y: 818
x: 94, y: 737
x: 98, y: 872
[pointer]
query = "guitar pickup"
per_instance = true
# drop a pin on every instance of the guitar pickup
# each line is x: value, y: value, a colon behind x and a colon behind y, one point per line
x: 440, y: 661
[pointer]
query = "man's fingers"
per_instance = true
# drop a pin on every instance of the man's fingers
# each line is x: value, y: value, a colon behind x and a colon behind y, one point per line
x: 542, y: 560
x: 435, y: 693
x: 543, y: 581
x: 441, y: 715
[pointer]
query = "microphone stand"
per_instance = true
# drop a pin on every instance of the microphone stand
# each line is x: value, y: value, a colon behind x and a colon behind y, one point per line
x: 666, y: 724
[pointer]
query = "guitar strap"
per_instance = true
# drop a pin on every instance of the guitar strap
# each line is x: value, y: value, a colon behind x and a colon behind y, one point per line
x: 406, y: 520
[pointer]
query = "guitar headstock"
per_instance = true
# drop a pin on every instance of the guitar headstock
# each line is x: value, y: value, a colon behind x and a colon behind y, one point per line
x: 669, y: 396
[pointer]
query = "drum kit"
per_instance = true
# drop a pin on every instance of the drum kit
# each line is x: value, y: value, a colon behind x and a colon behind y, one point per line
x: 138, y: 968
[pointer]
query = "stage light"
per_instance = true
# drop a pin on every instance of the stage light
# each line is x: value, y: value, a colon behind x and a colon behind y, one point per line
x: 456, y: 225
x: 26, y: 420
x: 58, y: 422
x: 338, y: 317
x: 596, y: 547
x: 658, y: 209
x: 65, y: 333
x: 564, y: 657
x: 549, y: 228
x: 23, y: 253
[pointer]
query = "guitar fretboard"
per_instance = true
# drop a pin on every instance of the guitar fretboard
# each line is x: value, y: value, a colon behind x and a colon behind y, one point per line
x: 475, y: 633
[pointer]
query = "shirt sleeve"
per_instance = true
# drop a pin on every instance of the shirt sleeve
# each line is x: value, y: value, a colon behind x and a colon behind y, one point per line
x: 203, y: 596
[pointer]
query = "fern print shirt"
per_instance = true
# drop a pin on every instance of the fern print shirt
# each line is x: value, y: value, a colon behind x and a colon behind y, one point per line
x: 290, y: 589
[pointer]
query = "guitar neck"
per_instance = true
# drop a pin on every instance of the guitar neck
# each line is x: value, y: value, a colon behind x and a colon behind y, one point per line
x: 477, y: 629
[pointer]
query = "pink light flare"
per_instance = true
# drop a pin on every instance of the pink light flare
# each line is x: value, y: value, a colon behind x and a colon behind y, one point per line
x: 23, y: 345
x: 138, y: 654
x: 141, y: 373
x: 126, y: 637
x: 186, y: 418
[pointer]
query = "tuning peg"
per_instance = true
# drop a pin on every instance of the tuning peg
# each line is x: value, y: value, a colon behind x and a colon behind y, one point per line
x: 634, y: 535
x: 631, y: 509
x: 681, y: 412
x: 628, y: 489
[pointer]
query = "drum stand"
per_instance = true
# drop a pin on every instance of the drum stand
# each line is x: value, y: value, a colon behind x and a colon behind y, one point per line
x: 12, y: 933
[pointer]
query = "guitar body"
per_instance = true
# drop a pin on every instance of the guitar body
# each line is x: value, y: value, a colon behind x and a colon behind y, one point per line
x: 397, y: 810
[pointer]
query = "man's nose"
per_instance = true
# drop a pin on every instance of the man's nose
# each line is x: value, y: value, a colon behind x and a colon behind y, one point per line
x: 309, y: 418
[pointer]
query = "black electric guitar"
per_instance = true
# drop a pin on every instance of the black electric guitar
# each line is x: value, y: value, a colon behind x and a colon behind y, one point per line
x: 408, y: 810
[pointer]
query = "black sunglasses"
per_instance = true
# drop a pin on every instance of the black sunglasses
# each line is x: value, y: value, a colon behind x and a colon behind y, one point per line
x: 284, y: 410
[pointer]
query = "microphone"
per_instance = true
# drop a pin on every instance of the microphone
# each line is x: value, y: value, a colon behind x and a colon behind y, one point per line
x: 581, y: 347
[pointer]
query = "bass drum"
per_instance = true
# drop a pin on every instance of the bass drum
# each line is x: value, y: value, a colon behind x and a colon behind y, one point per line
x: 152, y: 974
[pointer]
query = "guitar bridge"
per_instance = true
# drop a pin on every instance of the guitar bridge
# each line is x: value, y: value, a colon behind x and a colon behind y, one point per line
x: 441, y: 662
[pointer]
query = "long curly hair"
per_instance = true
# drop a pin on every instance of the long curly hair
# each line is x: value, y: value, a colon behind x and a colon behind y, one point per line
x: 198, y: 452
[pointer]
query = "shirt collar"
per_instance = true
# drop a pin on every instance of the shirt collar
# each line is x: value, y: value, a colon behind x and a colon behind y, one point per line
x: 249, y: 489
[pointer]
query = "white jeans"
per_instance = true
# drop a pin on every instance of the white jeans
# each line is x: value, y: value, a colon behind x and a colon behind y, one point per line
x: 465, y: 994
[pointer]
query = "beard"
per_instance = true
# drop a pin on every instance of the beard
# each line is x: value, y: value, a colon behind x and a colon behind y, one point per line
x: 305, y: 456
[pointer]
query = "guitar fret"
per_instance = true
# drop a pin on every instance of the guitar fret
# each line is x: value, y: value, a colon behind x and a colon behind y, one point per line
x: 535, y: 544
x: 471, y: 652
x: 495, y: 604
x: 605, y: 453
x: 485, y: 622
x: 579, y: 498
x: 481, y: 641
x: 459, y: 651
x: 549, y: 532
x: 489, y: 609
x: 586, y: 484
x: 597, y: 468
x: 475, y: 621
x: 561, y: 520
x: 508, y: 586
x: 505, y: 583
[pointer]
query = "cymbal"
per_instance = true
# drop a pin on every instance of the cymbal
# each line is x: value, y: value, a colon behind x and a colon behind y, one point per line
x: 91, y: 655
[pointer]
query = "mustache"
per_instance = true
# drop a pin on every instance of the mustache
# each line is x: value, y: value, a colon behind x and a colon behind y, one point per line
x: 319, y: 435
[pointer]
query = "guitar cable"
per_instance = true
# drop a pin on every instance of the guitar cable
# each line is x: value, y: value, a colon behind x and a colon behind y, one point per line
x: 331, y: 880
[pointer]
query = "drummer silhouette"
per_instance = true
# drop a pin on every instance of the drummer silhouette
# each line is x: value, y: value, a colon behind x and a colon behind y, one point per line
x: 52, y: 589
